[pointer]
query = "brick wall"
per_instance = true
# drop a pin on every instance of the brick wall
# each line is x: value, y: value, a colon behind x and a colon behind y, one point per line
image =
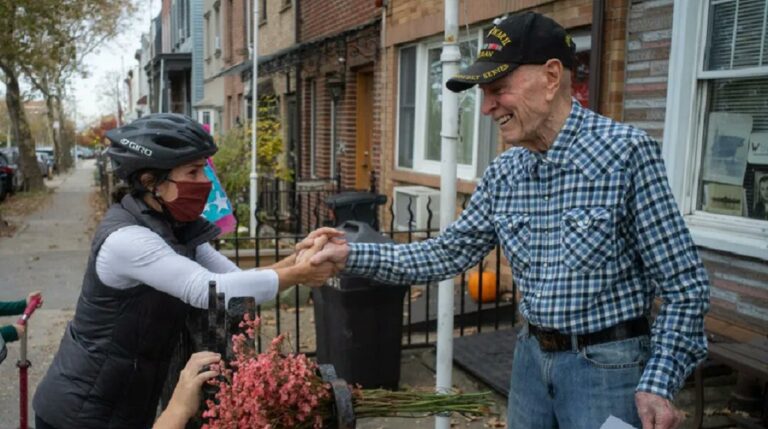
x: 649, y: 37
x: 739, y: 302
x: 324, y: 17
x: 234, y: 51
x: 277, y: 30
x: 359, y: 53
x: 614, y: 58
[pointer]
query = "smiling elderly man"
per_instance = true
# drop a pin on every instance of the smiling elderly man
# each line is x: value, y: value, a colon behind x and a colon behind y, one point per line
x: 582, y: 208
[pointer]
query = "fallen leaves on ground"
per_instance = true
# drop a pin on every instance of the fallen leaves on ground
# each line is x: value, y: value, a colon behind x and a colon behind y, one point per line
x: 18, y: 206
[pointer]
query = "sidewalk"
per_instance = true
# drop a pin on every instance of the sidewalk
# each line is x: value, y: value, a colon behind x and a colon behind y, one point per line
x: 49, y: 253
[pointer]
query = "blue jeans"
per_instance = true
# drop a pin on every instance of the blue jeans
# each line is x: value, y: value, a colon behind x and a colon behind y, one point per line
x: 575, y: 388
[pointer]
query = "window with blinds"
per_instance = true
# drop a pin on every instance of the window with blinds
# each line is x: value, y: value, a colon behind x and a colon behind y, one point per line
x: 734, y: 163
x: 737, y: 36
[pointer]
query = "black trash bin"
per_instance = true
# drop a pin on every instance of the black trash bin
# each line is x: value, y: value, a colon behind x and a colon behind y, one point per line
x: 359, y: 206
x: 359, y: 322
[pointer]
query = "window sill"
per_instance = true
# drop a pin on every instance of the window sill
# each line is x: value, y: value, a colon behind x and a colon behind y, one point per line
x: 432, y: 181
x: 262, y: 22
x: 730, y: 234
x: 287, y: 5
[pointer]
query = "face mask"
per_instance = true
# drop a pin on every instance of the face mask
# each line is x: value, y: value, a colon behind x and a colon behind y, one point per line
x: 190, y: 202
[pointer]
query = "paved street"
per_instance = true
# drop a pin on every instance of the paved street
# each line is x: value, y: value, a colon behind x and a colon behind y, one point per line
x: 48, y: 253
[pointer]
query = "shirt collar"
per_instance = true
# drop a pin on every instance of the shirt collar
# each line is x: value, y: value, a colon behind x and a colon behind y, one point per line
x: 559, y: 152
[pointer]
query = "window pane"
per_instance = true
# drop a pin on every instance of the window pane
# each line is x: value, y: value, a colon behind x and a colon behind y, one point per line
x: 735, y: 160
x: 467, y: 105
x: 736, y: 35
x: 407, y: 107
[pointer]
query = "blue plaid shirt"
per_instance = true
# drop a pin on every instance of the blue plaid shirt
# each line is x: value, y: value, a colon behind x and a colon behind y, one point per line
x: 592, y: 233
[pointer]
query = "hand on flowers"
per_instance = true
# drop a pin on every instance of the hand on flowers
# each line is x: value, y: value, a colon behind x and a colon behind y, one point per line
x: 187, y: 394
x: 657, y: 412
x: 33, y: 295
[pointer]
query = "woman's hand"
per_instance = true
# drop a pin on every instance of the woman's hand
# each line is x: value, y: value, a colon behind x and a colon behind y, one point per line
x: 303, y: 271
x: 187, y: 394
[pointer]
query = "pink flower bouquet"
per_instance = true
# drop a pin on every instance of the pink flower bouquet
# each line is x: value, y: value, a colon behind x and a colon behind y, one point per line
x: 273, y: 390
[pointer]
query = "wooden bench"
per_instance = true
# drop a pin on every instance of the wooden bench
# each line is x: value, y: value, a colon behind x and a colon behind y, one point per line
x: 750, y: 358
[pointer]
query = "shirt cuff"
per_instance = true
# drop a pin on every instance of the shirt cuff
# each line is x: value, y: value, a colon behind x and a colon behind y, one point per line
x: 9, y: 333
x: 661, y: 377
x: 363, y: 259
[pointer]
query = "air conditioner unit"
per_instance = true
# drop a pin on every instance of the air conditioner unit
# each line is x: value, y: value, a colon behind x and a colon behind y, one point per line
x: 217, y: 43
x: 418, y: 198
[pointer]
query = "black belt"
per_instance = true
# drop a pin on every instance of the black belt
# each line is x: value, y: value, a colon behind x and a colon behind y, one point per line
x: 553, y: 341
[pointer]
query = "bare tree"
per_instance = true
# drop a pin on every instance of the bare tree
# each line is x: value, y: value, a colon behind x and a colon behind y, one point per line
x: 81, y: 27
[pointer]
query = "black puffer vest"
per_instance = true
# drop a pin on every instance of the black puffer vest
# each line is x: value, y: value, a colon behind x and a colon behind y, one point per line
x: 114, y: 356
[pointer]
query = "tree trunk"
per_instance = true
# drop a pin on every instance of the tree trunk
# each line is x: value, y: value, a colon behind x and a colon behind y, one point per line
x: 51, y: 114
x: 33, y: 177
x: 65, y: 142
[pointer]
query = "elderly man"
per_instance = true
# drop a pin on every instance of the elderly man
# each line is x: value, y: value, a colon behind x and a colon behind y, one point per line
x: 581, y: 206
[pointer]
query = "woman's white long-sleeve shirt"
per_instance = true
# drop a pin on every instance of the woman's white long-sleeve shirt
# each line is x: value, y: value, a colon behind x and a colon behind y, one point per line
x: 133, y: 255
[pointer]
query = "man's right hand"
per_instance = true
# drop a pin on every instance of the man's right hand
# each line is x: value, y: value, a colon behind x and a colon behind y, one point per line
x: 333, y: 252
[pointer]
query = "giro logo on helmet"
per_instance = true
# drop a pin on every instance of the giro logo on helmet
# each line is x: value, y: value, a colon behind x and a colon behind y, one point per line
x: 137, y: 147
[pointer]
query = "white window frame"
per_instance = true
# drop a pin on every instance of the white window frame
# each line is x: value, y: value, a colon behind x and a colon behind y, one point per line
x: 684, y: 134
x: 420, y: 163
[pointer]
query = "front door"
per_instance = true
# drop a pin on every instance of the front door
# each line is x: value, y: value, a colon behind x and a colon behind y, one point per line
x: 364, y: 127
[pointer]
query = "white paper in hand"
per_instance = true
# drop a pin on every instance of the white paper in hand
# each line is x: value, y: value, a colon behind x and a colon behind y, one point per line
x: 616, y: 423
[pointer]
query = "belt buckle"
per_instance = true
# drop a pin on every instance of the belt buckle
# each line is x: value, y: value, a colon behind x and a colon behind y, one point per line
x: 548, y: 341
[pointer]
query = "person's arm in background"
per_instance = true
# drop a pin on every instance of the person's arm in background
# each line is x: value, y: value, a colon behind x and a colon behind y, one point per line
x: 187, y: 394
x: 11, y: 308
x: 672, y: 263
x: 462, y: 245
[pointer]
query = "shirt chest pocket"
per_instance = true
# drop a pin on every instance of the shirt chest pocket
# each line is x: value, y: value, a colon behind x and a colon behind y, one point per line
x: 514, y: 233
x: 588, y: 240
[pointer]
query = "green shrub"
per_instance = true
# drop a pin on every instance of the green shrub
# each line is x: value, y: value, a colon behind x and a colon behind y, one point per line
x: 233, y: 160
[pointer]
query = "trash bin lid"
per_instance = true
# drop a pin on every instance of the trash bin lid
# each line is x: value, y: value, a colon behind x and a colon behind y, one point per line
x: 361, y: 232
x: 354, y: 198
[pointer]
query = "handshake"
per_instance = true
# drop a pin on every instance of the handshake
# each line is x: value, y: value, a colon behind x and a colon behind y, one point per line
x: 320, y: 256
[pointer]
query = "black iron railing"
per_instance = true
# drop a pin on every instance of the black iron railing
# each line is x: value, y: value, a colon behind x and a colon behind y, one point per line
x: 288, y: 214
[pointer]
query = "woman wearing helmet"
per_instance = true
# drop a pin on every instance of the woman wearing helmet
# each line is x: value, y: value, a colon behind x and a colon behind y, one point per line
x: 150, y: 260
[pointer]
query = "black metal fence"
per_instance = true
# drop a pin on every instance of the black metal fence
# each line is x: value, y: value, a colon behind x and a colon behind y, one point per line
x: 288, y: 213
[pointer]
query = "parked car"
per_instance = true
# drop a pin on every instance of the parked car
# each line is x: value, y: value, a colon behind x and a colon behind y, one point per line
x: 45, y: 162
x: 49, y: 159
x: 11, y: 155
x: 83, y: 152
x: 8, y: 173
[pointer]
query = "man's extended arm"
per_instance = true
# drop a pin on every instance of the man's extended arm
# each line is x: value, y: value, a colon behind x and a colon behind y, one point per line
x: 458, y: 248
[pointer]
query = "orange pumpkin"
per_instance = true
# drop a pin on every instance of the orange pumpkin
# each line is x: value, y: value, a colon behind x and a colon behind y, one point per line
x: 489, y: 286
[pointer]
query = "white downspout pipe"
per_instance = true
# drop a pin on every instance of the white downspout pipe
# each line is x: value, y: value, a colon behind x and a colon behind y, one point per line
x: 254, y: 113
x: 450, y: 58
